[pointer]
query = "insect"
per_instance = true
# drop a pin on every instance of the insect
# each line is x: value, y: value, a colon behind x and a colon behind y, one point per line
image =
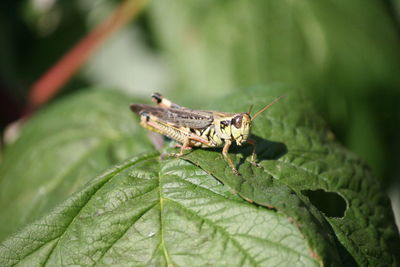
x: 198, y: 128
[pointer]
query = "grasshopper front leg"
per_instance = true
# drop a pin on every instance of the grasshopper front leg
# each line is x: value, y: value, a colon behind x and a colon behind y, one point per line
x: 227, y: 158
x: 253, y: 159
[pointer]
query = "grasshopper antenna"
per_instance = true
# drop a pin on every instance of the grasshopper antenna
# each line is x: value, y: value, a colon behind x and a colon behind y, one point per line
x: 267, y: 107
x: 250, y: 108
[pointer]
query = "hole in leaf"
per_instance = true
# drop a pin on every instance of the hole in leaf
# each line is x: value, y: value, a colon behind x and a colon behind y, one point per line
x: 330, y: 203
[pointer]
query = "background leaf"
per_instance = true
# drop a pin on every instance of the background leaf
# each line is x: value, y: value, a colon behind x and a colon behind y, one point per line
x: 326, y: 47
x: 60, y: 149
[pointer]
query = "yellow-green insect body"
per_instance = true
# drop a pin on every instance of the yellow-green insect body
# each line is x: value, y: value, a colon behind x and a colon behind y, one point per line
x: 197, y: 128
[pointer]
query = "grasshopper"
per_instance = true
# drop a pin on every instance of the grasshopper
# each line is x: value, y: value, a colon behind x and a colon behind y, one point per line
x: 198, y: 128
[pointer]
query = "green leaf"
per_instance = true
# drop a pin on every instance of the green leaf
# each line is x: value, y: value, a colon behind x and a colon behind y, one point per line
x: 298, y: 155
x: 60, y: 149
x: 151, y: 212
x: 312, y: 202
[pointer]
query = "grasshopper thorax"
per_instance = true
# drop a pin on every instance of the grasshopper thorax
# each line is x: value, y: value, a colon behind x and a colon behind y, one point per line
x: 240, y: 128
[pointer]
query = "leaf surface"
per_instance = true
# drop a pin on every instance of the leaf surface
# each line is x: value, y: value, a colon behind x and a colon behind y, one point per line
x: 298, y: 154
x: 148, y: 211
x: 151, y: 212
x: 60, y: 149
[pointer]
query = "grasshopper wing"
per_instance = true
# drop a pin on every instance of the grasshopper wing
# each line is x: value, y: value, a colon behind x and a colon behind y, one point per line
x: 178, y: 117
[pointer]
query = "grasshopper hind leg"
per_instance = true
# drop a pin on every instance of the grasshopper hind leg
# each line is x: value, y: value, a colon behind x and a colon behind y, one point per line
x: 183, y: 147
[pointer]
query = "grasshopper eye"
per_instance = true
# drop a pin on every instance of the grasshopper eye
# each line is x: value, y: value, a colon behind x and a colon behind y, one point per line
x: 237, y: 121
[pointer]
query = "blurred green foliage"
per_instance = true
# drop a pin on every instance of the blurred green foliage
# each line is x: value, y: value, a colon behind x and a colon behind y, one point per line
x: 344, y: 54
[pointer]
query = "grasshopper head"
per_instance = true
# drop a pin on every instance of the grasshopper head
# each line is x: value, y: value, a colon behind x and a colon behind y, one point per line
x: 240, y: 124
x: 240, y: 128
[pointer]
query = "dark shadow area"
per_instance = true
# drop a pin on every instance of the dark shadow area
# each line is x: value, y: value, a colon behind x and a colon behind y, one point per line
x: 330, y: 203
x: 333, y: 205
x: 268, y: 150
x: 347, y: 259
x: 265, y: 150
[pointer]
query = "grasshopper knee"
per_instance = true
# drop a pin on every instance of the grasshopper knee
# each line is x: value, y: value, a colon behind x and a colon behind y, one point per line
x: 156, y: 97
